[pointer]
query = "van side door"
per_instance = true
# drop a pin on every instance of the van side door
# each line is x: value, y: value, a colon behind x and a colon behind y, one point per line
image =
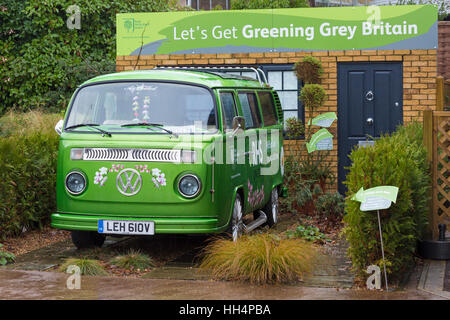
x: 249, y: 109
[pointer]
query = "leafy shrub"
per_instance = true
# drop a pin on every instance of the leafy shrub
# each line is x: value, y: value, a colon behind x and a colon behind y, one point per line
x: 309, y: 70
x: 294, y: 128
x: 309, y: 233
x: 330, y: 204
x: 396, y: 160
x: 133, y: 260
x: 42, y: 60
x: 28, y: 154
x: 260, y: 258
x: 306, y: 179
x: 87, y: 267
x: 6, y: 257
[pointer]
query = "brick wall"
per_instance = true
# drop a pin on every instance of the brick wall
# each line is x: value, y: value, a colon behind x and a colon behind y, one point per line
x: 419, y: 77
x: 444, y: 49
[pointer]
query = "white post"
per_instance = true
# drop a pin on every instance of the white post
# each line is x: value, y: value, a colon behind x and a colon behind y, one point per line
x: 382, y: 250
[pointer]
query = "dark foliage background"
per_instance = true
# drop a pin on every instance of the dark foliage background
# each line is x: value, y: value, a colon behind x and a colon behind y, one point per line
x: 42, y: 60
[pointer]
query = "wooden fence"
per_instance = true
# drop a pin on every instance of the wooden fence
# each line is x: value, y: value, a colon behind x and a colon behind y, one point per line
x: 436, y: 135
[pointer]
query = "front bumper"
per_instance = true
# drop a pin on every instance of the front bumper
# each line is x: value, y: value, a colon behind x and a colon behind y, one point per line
x: 162, y: 225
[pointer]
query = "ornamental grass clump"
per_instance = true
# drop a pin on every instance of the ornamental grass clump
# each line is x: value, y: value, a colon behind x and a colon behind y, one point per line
x: 87, y: 267
x: 133, y: 260
x: 397, y: 160
x: 259, y: 259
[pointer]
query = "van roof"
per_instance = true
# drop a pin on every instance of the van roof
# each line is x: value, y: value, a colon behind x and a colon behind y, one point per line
x: 207, y: 78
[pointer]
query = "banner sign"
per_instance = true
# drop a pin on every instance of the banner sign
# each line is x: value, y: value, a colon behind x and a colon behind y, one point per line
x: 324, y: 120
x: 276, y: 30
x: 321, y: 140
x: 377, y: 198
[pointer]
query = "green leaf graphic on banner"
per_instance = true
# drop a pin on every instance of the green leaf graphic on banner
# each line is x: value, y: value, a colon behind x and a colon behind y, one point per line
x: 321, y: 140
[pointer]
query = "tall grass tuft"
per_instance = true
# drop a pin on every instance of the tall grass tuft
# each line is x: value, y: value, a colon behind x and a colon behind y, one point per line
x: 259, y: 259
x: 30, y: 123
x: 133, y: 260
x: 87, y: 267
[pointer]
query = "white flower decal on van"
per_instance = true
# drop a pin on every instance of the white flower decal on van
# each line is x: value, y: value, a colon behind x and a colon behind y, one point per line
x: 101, y: 176
x: 158, y: 177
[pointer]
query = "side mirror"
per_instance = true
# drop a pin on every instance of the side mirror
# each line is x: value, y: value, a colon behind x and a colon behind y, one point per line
x: 238, y: 124
x: 59, y: 127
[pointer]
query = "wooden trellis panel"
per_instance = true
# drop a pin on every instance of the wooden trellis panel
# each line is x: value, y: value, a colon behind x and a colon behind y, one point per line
x: 437, y: 141
x: 441, y: 168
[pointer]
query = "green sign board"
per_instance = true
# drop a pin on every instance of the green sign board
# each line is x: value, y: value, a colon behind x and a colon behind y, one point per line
x: 324, y: 120
x: 377, y: 198
x: 321, y: 140
x: 276, y: 30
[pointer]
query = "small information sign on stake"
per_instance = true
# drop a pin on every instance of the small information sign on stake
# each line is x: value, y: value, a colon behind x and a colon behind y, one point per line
x: 378, y: 198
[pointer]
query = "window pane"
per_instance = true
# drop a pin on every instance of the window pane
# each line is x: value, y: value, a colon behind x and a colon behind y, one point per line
x: 289, y: 99
x: 267, y: 108
x: 228, y: 109
x: 274, y: 79
x: 290, y: 81
x: 250, y: 110
x: 245, y: 105
x: 249, y: 74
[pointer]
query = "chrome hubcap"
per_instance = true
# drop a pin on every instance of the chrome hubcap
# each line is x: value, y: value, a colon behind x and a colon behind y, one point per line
x: 274, y: 199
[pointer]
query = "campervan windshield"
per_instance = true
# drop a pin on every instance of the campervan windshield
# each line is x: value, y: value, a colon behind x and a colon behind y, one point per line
x: 128, y: 106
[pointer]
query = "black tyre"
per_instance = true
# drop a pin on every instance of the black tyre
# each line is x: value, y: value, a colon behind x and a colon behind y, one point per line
x: 236, y: 227
x: 271, y: 208
x: 87, y: 239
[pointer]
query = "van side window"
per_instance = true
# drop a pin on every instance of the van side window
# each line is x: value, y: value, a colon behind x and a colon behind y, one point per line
x: 267, y: 108
x: 228, y: 109
x: 250, y: 110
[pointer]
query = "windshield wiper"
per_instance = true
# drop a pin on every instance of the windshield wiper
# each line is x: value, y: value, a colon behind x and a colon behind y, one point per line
x: 153, y: 125
x: 92, y: 126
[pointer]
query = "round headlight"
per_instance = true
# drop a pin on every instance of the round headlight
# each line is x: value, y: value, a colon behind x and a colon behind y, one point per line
x: 75, y: 183
x: 189, y: 186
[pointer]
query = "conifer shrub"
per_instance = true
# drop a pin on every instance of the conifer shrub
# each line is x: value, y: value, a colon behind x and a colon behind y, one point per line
x: 28, y: 154
x: 309, y: 70
x: 397, y: 160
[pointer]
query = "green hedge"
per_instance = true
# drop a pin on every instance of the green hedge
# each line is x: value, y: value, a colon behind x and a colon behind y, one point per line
x: 28, y: 154
x: 396, y: 160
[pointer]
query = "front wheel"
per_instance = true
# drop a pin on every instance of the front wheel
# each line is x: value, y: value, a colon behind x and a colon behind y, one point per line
x: 87, y: 239
x: 271, y: 208
x: 236, y: 227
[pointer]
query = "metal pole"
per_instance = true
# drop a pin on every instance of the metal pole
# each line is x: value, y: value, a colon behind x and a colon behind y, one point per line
x: 382, y: 250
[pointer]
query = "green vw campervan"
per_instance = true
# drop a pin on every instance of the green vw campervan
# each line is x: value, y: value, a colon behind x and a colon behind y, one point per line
x: 169, y: 151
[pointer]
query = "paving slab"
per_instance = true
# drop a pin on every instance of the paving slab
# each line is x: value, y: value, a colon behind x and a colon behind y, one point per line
x: 51, y: 285
x: 447, y: 277
x: 432, y: 278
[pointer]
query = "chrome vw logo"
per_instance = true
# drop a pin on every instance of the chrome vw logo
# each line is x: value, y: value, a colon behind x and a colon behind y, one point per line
x: 128, y: 182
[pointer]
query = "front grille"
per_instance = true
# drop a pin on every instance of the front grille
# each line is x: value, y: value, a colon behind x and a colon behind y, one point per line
x: 137, y: 155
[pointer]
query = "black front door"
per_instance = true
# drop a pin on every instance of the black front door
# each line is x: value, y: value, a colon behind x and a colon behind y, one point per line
x: 370, y: 102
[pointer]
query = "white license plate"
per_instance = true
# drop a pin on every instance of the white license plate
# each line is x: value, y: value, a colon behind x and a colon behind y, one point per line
x: 126, y: 227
